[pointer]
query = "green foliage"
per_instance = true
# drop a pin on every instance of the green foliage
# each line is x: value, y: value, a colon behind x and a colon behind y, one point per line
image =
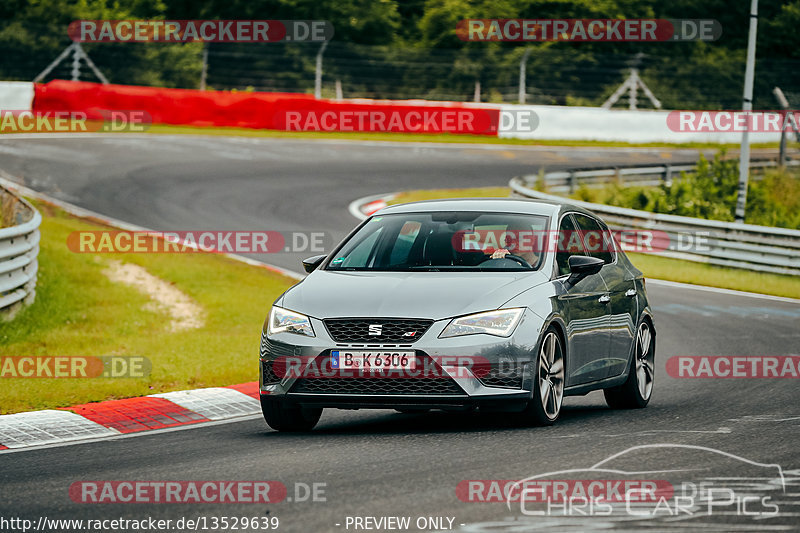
x: 409, y: 49
x: 773, y: 199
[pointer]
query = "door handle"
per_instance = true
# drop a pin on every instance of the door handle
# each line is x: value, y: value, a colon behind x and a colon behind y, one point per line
x: 604, y: 299
x: 630, y: 293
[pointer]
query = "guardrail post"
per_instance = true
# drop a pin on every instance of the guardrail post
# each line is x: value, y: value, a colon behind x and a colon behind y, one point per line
x: 571, y: 180
x: 667, y: 175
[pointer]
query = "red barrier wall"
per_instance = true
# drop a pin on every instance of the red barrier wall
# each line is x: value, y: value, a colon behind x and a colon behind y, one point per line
x: 276, y: 111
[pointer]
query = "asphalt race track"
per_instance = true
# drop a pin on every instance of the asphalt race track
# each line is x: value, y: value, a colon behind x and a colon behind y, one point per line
x: 381, y: 463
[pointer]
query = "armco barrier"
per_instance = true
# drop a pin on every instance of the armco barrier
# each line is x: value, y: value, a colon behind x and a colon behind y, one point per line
x: 19, y: 247
x: 165, y: 106
x: 614, y: 125
x: 265, y: 110
x: 16, y: 95
x: 570, y: 180
x: 730, y: 244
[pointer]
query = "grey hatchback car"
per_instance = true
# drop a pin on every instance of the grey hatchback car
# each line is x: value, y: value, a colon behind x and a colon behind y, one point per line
x: 468, y: 304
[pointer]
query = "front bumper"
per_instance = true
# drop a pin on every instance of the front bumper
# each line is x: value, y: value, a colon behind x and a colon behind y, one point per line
x: 506, y: 386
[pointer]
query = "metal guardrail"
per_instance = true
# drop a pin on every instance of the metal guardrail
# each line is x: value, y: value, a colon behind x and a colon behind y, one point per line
x: 19, y: 248
x: 730, y: 244
x: 570, y: 180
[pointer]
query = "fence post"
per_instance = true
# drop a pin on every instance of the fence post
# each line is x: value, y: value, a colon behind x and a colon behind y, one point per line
x: 318, y: 72
x: 788, y: 118
x: 747, y: 106
x: 76, y: 64
x: 77, y: 54
x: 522, y: 70
x: 204, y: 72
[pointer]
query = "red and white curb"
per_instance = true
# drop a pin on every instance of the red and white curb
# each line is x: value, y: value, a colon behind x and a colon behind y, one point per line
x: 117, y: 418
x: 363, y: 208
x: 113, y: 418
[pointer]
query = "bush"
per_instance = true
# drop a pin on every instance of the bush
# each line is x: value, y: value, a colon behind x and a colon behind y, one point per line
x: 773, y: 199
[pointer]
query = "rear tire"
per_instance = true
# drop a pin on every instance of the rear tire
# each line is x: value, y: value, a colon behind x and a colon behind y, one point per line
x: 544, y: 407
x: 282, y: 417
x: 637, y: 390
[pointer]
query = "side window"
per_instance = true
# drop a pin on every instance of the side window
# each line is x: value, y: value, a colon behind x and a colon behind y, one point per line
x: 609, y: 242
x: 569, y: 243
x: 595, y: 240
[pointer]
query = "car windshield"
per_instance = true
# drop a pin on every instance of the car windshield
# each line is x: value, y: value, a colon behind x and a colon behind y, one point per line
x: 466, y: 241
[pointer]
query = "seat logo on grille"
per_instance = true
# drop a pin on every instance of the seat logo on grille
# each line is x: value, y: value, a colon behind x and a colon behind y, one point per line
x: 409, y: 333
x: 375, y: 329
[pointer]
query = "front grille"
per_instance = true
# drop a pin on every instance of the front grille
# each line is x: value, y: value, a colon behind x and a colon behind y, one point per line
x: 376, y: 386
x: 508, y: 377
x: 428, y: 382
x: 270, y: 376
x: 394, y: 330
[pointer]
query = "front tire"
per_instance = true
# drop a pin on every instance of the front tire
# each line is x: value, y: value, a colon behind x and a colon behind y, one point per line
x: 282, y: 417
x: 637, y: 390
x: 544, y: 406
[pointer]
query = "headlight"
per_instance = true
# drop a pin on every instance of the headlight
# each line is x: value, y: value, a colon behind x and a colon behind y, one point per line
x: 500, y: 323
x: 281, y: 320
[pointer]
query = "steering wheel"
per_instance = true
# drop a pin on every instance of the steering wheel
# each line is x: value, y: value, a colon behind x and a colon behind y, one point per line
x: 513, y: 257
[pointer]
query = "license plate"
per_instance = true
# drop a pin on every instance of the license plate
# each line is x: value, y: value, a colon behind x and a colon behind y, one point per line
x: 360, y: 359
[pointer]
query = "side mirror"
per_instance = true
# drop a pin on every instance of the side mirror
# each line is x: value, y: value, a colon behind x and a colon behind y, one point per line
x: 310, y: 264
x: 581, y: 266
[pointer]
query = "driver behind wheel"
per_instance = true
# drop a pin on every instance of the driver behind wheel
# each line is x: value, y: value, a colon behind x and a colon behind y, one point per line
x: 519, y: 245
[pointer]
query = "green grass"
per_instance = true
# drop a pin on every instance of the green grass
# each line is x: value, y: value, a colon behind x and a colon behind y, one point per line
x: 78, y: 311
x: 670, y: 269
x: 436, y: 194
x: 653, y: 266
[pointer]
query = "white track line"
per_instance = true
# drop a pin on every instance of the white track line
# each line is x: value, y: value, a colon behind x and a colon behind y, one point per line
x: 6, y: 181
x: 362, y: 142
x: 731, y: 292
x: 137, y: 434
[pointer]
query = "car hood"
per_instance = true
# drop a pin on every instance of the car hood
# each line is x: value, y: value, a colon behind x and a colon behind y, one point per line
x: 436, y: 295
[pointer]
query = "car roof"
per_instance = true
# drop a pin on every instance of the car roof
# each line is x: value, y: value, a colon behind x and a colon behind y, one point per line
x: 501, y: 205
